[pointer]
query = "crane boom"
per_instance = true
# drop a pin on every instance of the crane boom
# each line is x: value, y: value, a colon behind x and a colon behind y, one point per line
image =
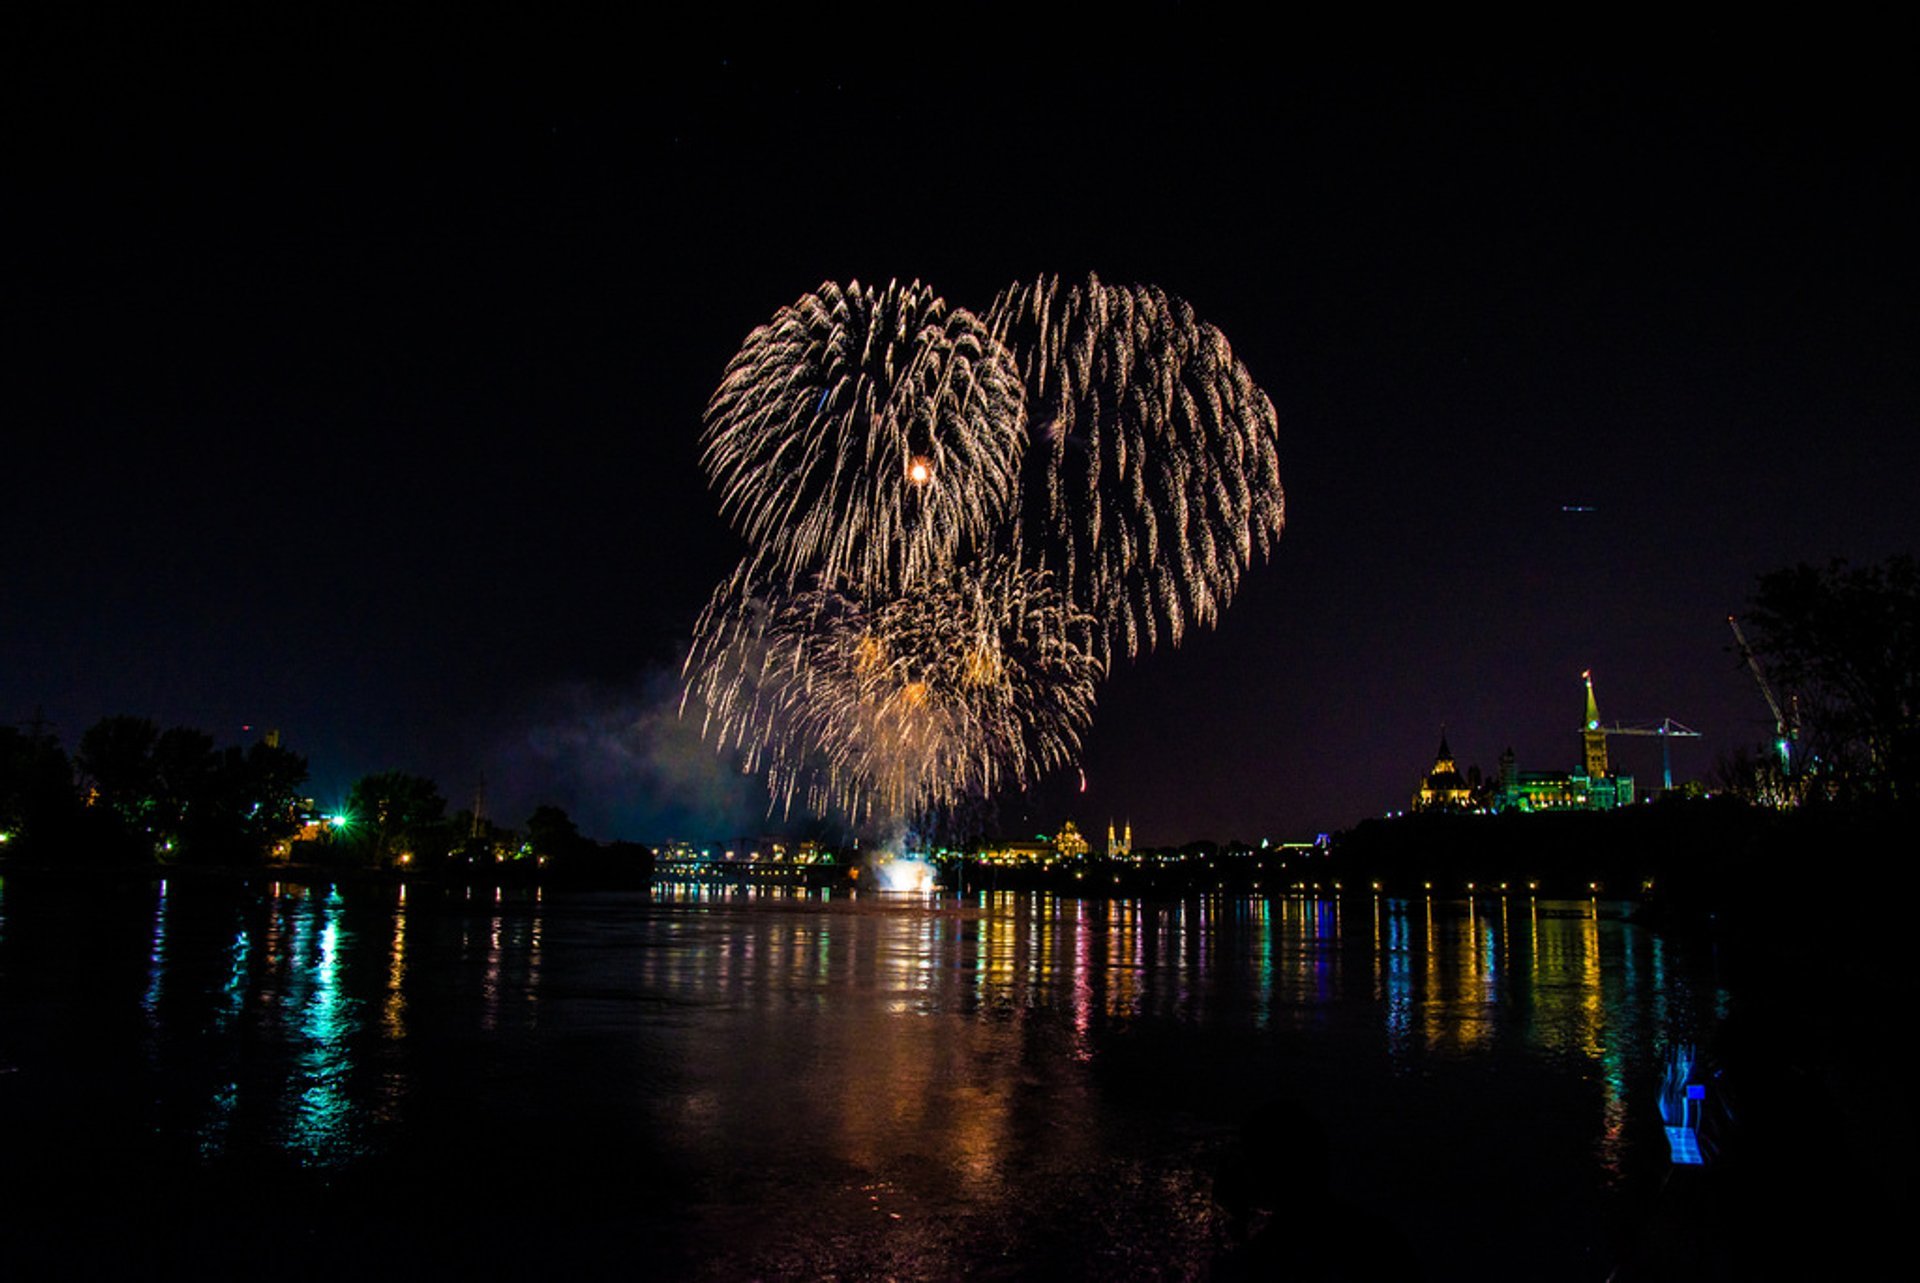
x: 1668, y: 730
x: 1782, y: 725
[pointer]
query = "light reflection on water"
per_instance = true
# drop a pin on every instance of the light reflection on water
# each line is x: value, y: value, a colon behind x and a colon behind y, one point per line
x: 280, y: 1020
x: 1565, y: 985
x: 967, y: 1073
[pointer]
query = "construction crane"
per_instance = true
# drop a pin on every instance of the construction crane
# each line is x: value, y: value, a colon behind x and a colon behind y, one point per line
x: 1593, y: 736
x: 1785, y: 729
x: 1668, y: 730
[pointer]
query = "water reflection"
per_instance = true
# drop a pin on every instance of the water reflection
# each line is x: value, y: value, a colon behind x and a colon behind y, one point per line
x: 280, y: 1017
x: 979, y: 1011
x: 156, y: 957
x: 963, y: 1071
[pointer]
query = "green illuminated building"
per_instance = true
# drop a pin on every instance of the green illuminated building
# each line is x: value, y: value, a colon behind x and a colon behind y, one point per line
x: 1591, y: 788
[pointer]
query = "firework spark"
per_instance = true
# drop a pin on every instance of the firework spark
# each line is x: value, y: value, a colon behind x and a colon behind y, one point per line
x: 1154, y: 479
x: 871, y: 436
x: 966, y: 685
x: 929, y: 596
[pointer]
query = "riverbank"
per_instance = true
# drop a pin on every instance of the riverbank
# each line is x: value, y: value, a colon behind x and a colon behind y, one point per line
x: 303, y: 874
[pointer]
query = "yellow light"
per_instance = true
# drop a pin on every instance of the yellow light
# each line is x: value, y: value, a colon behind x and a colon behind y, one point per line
x: 920, y: 470
x: 982, y: 667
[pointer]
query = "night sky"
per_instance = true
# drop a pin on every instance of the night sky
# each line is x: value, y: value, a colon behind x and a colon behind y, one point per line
x: 366, y: 406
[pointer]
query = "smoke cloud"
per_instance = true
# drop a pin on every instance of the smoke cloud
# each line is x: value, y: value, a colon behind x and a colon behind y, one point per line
x: 625, y: 764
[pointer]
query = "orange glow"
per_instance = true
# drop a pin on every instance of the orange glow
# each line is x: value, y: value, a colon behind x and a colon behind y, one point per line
x: 919, y: 470
x: 983, y: 667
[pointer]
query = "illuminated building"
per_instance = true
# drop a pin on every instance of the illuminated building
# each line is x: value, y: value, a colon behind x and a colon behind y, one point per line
x: 1444, y: 788
x: 1122, y: 847
x: 1067, y: 844
x: 1592, y: 788
x: 1593, y: 740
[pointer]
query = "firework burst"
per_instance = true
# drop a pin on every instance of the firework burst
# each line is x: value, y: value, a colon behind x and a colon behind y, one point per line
x: 1153, y: 479
x: 963, y: 686
x: 929, y: 596
x: 870, y: 436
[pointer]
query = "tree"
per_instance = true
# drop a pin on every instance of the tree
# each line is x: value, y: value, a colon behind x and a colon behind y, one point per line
x: 1844, y: 643
x: 37, y: 803
x: 246, y: 801
x: 480, y: 844
x: 265, y: 785
x: 393, y: 817
x: 552, y: 834
x: 186, y: 809
x: 115, y: 759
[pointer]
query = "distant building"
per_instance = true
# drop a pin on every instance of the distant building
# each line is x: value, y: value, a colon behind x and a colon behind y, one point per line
x: 1592, y: 788
x: 1122, y: 847
x: 1067, y: 844
x: 1444, y: 788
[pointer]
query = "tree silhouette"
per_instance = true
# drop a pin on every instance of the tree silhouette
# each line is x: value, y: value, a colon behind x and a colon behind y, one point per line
x: 37, y: 802
x: 1844, y: 642
x: 395, y: 817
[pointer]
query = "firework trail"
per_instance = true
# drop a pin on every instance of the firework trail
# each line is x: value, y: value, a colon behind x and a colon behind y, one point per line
x: 963, y: 686
x: 1153, y: 479
x: 930, y: 595
x: 871, y: 436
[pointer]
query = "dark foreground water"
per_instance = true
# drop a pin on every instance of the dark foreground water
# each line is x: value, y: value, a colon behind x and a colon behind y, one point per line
x: 274, y: 1080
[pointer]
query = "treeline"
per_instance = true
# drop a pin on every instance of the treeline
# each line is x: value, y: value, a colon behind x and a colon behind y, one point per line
x: 132, y: 794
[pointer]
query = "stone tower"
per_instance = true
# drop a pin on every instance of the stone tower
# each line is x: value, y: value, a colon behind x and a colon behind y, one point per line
x: 1593, y: 740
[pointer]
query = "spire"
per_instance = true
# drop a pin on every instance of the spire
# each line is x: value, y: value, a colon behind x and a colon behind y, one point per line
x: 1593, y: 740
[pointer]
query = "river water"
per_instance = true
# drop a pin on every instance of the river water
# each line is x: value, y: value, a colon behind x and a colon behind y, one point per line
x: 275, y: 1078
